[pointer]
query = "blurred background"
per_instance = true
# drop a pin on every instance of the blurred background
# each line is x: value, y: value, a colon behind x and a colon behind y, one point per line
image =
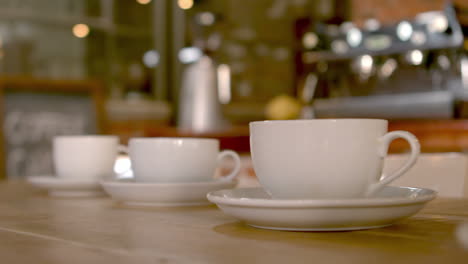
x: 208, y: 67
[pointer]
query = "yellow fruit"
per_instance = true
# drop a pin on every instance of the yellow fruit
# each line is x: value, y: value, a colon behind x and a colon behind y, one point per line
x: 283, y: 107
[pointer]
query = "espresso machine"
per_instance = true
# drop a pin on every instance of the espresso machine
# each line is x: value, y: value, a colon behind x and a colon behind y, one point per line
x: 412, y: 69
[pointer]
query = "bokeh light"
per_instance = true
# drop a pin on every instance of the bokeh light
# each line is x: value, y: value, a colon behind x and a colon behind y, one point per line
x: 185, y: 4
x: 80, y: 30
x: 143, y: 2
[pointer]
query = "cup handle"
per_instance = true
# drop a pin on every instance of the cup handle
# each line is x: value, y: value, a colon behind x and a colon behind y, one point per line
x: 383, y: 151
x: 237, y: 164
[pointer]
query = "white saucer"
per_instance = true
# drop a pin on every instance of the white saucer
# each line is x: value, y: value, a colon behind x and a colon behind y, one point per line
x: 255, y: 207
x: 163, y: 194
x: 59, y: 187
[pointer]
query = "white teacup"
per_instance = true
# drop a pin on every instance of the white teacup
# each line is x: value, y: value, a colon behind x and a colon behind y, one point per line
x: 175, y: 160
x: 89, y: 157
x: 324, y: 158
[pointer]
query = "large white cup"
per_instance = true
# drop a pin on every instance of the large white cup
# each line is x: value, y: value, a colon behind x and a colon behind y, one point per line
x: 324, y: 158
x: 172, y: 160
x: 89, y: 157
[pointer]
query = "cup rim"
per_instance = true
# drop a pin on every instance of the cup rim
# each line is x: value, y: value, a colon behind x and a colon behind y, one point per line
x: 85, y: 137
x: 321, y: 120
x: 171, y: 139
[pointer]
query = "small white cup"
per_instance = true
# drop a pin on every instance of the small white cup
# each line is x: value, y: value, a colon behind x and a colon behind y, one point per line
x: 324, y: 158
x: 89, y: 157
x: 175, y: 160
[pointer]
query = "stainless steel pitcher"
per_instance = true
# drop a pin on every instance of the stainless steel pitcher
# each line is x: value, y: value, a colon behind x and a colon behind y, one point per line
x: 199, y: 106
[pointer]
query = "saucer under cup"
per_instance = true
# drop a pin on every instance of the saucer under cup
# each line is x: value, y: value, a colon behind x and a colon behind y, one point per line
x: 66, y: 187
x: 130, y: 193
x: 256, y: 208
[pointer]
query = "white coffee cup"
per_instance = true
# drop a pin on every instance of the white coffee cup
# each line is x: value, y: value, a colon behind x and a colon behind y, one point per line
x: 175, y: 160
x: 89, y: 157
x: 324, y: 158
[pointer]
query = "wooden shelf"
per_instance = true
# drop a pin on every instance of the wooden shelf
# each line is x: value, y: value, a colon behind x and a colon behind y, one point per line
x: 236, y: 138
x: 434, y: 135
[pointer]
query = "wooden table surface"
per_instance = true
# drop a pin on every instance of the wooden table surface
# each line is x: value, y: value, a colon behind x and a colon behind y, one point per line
x: 35, y: 228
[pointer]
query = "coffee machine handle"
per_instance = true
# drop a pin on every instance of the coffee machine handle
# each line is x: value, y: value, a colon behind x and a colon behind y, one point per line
x: 383, y: 151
